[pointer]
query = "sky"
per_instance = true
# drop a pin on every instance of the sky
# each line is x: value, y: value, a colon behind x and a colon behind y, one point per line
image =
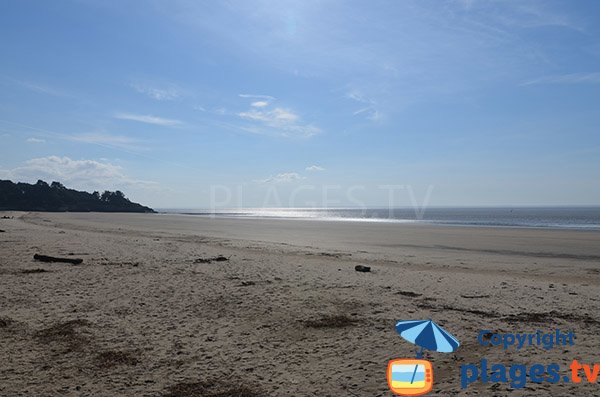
x: 198, y: 104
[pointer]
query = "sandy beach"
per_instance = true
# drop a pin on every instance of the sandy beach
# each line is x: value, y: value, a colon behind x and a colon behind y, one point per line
x: 152, y: 311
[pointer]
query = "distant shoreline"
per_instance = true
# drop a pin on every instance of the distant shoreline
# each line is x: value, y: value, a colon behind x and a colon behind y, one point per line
x: 554, y: 218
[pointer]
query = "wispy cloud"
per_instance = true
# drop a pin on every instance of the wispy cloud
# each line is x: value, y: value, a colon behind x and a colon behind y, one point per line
x: 572, y: 78
x: 107, y: 140
x: 314, y: 168
x: 284, y: 177
x: 35, y: 140
x: 148, y: 119
x: 416, y: 56
x: 39, y: 88
x: 359, y: 97
x: 370, y: 111
x: 537, y: 14
x: 220, y: 111
x: 86, y: 174
x: 167, y: 93
x: 279, y: 121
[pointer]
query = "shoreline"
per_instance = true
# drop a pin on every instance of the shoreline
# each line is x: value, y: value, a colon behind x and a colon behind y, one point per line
x: 499, y: 218
x: 385, y: 220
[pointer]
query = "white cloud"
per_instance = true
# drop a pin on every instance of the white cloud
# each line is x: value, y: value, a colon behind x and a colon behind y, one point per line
x: 148, y: 119
x: 285, y: 177
x: 268, y: 97
x: 259, y: 104
x: 79, y: 174
x: 315, y: 168
x: 275, y: 117
x: 573, y: 78
x: 277, y: 121
x: 168, y: 93
x: 35, y: 140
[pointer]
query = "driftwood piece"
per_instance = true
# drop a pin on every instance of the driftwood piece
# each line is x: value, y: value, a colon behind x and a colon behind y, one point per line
x: 361, y: 268
x: 474, y: 296
x: 410, y: 294
x: 46, y: 258
x: 219, y: 258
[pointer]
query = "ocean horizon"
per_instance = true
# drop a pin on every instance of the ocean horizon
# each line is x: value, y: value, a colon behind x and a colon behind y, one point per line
x: 552, y: 217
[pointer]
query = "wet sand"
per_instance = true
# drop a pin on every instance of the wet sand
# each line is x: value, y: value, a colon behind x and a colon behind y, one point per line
x: 286, y: 313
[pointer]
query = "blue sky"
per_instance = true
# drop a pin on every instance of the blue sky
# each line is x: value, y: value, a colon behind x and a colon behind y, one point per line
x: 305, y: 102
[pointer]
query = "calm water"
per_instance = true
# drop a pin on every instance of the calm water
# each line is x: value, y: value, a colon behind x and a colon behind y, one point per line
x: 587, y: 218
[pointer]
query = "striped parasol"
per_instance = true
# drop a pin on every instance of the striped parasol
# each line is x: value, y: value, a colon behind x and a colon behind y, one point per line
x: 427, y: 335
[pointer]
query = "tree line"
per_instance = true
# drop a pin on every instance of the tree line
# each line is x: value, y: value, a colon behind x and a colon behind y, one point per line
x: 55, y: 197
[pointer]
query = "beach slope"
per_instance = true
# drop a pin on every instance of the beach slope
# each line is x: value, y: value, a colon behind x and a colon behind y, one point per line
x: 168, y: 305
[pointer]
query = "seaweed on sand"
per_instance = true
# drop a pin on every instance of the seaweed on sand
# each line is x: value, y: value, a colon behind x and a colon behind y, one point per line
x: 113, y: 358
x: 331, y: 321
x: 67, y: 333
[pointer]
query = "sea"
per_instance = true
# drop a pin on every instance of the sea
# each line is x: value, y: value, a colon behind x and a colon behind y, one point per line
x: 582, y: 218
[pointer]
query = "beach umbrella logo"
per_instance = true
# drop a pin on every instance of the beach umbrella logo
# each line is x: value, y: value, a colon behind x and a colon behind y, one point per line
x: 414, y: 377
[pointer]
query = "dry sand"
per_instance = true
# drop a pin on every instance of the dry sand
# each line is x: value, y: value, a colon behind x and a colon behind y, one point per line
x: 286, y: 314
